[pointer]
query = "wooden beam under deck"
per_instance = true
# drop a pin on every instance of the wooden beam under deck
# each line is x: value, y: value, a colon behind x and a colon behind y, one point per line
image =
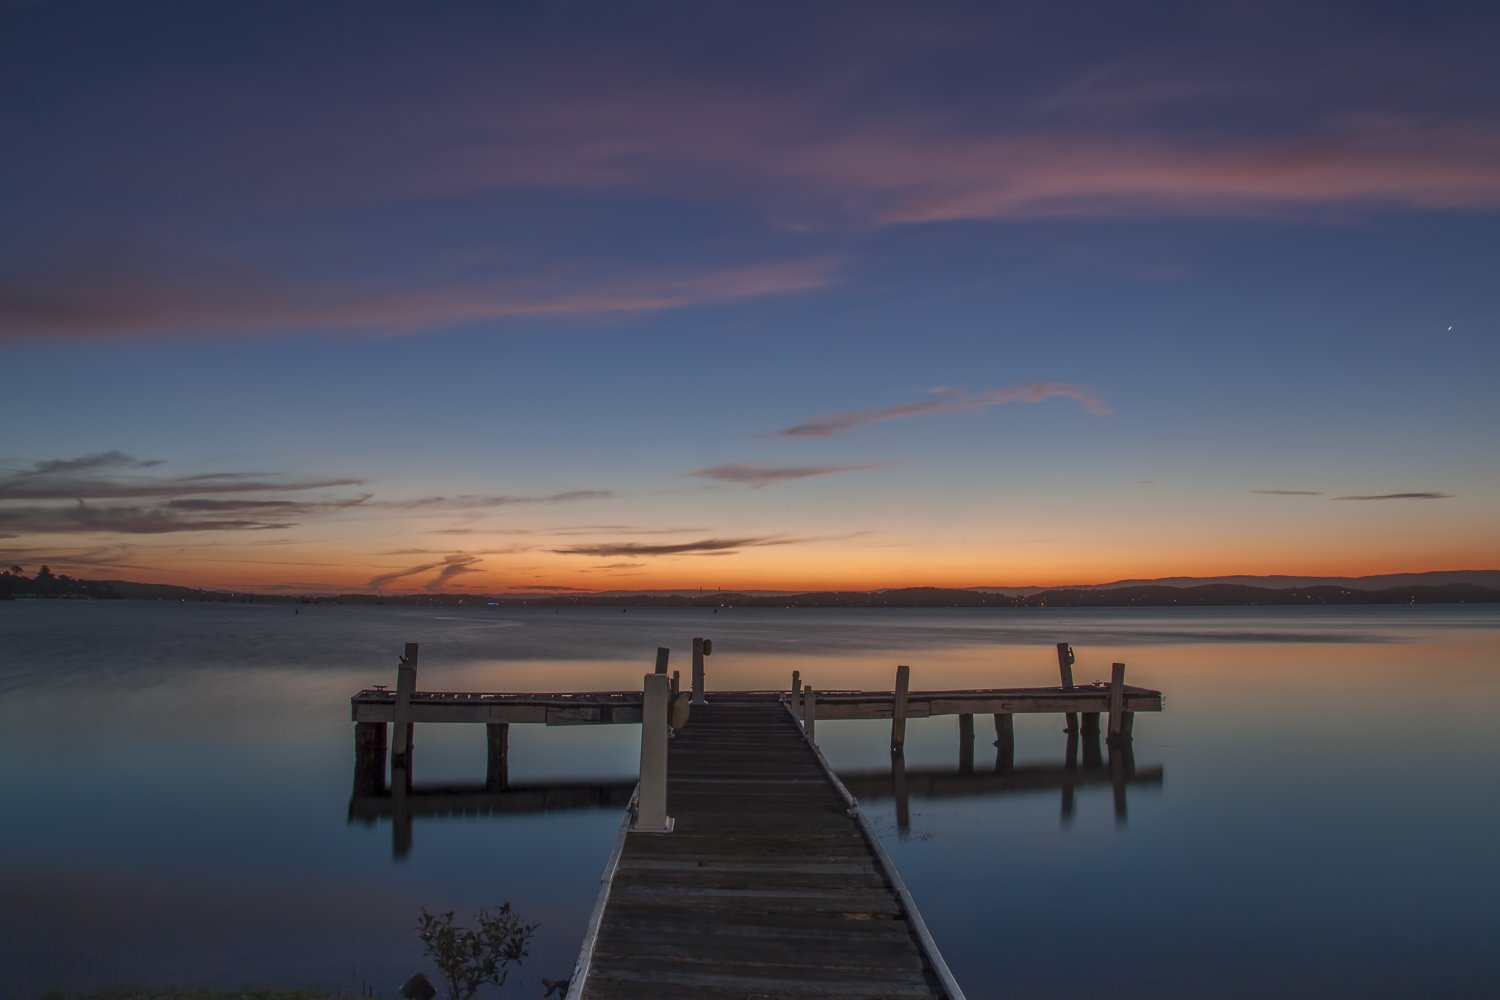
x: 618, y: 707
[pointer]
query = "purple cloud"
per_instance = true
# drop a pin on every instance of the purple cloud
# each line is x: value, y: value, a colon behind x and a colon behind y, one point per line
x: 759, y: 474
x: 1400, y: 496
x: 947, y: 401
x: 706, y: 545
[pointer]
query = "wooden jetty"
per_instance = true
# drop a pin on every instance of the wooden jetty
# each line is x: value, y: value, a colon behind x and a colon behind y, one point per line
x: 766, y: 878
x: 770, y: 883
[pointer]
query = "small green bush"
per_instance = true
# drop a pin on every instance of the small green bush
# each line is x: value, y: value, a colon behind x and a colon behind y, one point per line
x: 469, y: 959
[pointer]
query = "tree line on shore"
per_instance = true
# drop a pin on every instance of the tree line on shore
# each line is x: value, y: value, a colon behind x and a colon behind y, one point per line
x: 15, y: 583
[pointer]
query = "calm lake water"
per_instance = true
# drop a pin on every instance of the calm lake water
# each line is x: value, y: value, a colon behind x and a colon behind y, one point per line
x: 1314, y: 814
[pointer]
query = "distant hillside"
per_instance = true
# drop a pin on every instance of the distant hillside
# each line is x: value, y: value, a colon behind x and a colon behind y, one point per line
x: 170, y: 592
x: 1477, y: 577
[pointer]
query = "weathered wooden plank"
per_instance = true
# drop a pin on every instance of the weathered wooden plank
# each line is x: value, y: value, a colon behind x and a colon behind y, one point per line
x: 771, y: 981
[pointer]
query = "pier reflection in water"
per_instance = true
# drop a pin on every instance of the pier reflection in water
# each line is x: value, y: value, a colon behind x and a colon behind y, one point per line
x: 1118, y: 772
x: 1086, y: 764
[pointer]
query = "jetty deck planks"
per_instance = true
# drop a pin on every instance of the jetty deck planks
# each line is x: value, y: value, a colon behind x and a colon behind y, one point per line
x: 766, y: 888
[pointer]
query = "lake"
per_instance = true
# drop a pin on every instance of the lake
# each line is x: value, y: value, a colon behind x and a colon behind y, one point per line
x: 1315, y: 812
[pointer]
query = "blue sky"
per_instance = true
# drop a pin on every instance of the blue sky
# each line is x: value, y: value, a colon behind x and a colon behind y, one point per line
x: 504, y: 297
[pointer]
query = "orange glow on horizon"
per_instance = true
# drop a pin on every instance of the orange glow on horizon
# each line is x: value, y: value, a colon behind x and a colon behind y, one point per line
x: 757, y: 570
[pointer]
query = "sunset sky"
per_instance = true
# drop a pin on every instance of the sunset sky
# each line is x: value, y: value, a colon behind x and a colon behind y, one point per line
x: 500, y: 297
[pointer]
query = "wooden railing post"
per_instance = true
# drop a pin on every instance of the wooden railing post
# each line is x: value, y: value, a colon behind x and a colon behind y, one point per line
x: 676, y: 682
x: 651, y: 805
x: 797, y: 691
x: 1116, y: 704
x: 662, y: 652
x: 1065, y: 669
x: 810, y: 720
x: 401, y: 727
x: 898, y: 710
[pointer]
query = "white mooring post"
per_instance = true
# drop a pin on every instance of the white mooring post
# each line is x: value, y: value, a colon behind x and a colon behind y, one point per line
x: 401, y: 726
x: 810, y: 720
x: 898, y: 710
x: 651, y: 808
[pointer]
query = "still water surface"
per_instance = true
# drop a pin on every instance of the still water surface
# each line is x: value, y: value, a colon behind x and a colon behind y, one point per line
x: 1316, y: 815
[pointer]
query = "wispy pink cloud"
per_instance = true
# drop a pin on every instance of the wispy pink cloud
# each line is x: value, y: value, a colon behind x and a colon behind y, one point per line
x: 128, y: 294
x: 758, y: 474
x: 947, y: 401
x: 448, y: 567
x: 471, y: 501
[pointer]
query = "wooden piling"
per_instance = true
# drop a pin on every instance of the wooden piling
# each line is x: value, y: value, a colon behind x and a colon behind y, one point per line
x: 966, y: 744
x: 406, y: 683
x: 1005, y: 741
x: 810, y: 720
x: 401, y: 815
x: 1065, y: 670
x: 651, y: 805
x: 1121, y: 768
x: 662, y: 652
x: 676, y: 682
x: 1070, y: 763
x: 899, y: 791
x: 1117, y: 704
x: 369, y: 758
x: 898, y: 710
x: 497, y: 766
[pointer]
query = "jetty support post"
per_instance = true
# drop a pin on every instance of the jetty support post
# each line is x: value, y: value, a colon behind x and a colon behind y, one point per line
x: 401, y: 834
x: 1005, y: 741
x: 1070, y: 763
x: 662, y: 652
x: 898, y: 710
x: 701, y: 647
x: 676, y: 682
x: 401, y: 727
x: 797, y: 694
x: 1065, y: 669
x: 899, y: 790
x: 810, y: 718
x: 497, y: 760
x: 966, y: 744
x: 1121, y: 770
x: 369, y: 758
x: 651, y: 806
x: 1119, y: 727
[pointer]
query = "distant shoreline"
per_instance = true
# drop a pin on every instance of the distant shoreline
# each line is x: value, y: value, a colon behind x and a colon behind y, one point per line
x: 1148, y: 596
